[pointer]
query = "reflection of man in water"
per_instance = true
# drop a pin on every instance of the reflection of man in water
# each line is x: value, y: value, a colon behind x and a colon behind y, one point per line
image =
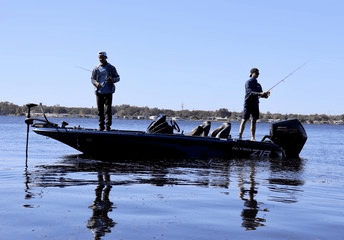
x: 249, y: 214
x: 100, y: 223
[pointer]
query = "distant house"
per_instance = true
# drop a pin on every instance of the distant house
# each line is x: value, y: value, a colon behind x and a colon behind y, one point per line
x: 141, y: 117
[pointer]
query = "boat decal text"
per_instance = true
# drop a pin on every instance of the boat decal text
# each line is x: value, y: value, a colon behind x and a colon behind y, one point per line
x: 260, y: 153
x: 255, y: 152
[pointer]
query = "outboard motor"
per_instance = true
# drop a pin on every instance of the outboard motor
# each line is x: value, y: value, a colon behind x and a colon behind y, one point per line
x: 201, y: 130
x: 222, y: 131
x: 290, y: 135
x: 160, y: 125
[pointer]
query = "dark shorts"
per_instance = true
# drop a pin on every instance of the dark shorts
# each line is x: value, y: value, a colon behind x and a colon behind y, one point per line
x: 251, y: 110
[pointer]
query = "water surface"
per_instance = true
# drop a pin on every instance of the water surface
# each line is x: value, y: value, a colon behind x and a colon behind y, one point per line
x: 61, y: 194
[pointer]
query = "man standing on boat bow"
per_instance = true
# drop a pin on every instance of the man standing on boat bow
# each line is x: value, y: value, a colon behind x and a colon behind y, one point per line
x: 104, y: 77
x: 253, y: 91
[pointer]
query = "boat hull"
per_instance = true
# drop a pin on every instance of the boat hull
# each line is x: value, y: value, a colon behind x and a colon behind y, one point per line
x: 119, y: 144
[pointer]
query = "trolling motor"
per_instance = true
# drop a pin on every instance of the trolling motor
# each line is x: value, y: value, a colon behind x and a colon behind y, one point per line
x: 30, y: 121
x: 43, y: 122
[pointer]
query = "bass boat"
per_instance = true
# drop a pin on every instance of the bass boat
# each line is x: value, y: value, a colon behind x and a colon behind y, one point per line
x: 286, y: 139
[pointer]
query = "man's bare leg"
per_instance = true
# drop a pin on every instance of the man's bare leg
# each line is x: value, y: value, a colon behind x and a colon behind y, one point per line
x: 242, y: 127
x: 253, y: 129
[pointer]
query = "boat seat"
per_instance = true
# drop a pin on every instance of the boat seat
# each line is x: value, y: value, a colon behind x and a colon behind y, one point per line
x: 201, y: 130
x: 160, y: 125
x: 222, y: 131
x: 162, y: 128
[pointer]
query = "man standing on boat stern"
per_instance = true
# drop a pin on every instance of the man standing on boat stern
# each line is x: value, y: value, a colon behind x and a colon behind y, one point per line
x: 253, y: 91
x: 104, y: 77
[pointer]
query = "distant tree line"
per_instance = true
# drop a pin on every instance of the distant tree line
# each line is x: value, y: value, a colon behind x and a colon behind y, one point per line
x: 128, y: 111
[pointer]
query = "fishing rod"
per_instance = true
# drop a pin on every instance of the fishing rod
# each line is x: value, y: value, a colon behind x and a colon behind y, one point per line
x: 289, y: 75
x: 102, y: 84
x: 89, y: 71
x: 83, y: 68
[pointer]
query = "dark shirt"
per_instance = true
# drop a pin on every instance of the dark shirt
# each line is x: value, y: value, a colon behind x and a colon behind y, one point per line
x: 252, y: 90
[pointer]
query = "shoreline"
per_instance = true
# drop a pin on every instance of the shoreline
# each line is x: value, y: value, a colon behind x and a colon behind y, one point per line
x: 66, y: 115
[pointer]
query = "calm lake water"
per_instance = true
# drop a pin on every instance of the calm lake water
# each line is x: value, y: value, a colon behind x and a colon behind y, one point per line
x: 60, y: 194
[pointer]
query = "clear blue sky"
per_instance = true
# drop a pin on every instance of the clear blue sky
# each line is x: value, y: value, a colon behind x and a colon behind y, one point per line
x: 195, y: 52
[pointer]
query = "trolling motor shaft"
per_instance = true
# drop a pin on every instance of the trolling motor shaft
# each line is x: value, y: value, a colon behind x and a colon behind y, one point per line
x: 28, y: 122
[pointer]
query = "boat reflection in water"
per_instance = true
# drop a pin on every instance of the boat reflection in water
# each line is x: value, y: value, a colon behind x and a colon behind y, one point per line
x: 280, y: 179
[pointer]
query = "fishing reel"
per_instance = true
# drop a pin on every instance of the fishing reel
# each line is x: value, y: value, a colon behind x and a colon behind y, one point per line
x: 265, y: 94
